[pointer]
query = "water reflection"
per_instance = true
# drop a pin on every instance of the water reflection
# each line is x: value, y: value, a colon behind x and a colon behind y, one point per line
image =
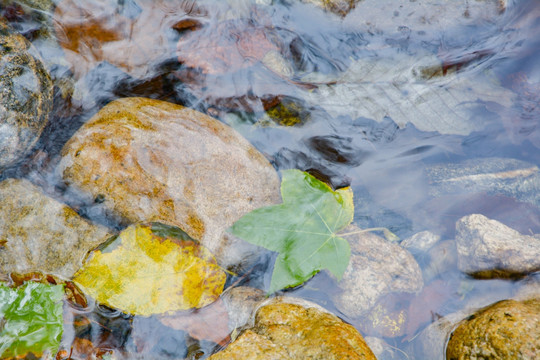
x: 237, y: 60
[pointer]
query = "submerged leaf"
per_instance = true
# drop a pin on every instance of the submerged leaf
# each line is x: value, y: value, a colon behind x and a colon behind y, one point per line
x: 302, y: 229
x: 131, y: 35
x: 30, y: 319
x: 410, y: 89
x: 152, y: 269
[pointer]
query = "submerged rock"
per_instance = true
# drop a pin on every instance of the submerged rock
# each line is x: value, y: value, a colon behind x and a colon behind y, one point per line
x: 39, y: 234
x: 284, y: 330
x: 386, y: 319
x: 131, y: 35
x: 148, y: 160
x: 422, y: 18
x: 397, y: 87
x: 25, y: 96
x: 339, y: 7
x: 431, y: 342
x: 240, y: 303
x: 250, y: 345
x: 420, y: 242
x: 384, y: 351
x: 508, y: 329
x: 493, y: 176
x: 441, y: 258
x: 530, y: 288
x: 487, y: 248
x: 377, y: 267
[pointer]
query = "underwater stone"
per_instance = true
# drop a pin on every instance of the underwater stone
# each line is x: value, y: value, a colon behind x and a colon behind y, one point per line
x: 288, y: 328
x: 40, y: 234
x: 508, y: 329
x: 377, y: 268
x: 26, y: 94
x: 487, y: 248
x: 149, y: 160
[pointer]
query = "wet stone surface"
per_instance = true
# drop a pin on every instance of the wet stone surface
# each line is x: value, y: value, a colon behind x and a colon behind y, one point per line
x: 510, y: 177
x: 240, y: 303
x: 290, y: 331
x: 487, y: 249
x: 377, y: 268
x: 339, y: 7
x: 25, y: 96
x: 506, y: 330
x: 420, y: 242
x: 427, y: 109
x: 148, y: 160
x: 41, y: 234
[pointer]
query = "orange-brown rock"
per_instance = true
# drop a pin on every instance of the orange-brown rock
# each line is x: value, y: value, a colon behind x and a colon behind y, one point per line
x: 291, y: 331
x: 252, y: 346
x: 506, y: 330
x: 149, y: 160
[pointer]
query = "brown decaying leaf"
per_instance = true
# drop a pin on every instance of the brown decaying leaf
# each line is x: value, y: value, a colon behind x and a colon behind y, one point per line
x: 129, y: 37
x: 187, y: 24
x: 207, y: 323
x: 73, y: 293
x: 225, y: 48
x: 82, y: 349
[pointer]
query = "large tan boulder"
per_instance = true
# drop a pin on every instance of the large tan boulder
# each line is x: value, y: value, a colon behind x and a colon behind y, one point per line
x: 150, y: 160
x: 286, y: 329
x: 507, y: 330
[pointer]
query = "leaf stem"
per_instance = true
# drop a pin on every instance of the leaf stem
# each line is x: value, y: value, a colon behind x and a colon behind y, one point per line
x: 387, y: 233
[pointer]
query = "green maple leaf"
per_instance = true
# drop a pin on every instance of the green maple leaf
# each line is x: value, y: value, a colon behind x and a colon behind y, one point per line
x: 31, y: 319
x: 303, y: 229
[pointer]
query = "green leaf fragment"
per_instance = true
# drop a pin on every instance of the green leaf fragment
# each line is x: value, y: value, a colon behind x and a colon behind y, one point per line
x: 302, y: 229
x: 31, y: 319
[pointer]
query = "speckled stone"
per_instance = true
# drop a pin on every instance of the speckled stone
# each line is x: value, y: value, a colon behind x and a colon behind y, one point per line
x: 339, y: 7
x: 150, y: 160
x: 494, y: 176
x: 40, y: 234
x: 420, y: 242
x: 26, y: 94
x: 489, y: 249
x: 377, y: 268
x: 47, y: 6
x: 290, y: 331
x: 250, y: 345
x: 505, y: 330
x: 240, y: 303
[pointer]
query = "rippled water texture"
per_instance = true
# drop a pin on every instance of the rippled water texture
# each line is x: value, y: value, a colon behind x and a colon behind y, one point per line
x: 385, y: 99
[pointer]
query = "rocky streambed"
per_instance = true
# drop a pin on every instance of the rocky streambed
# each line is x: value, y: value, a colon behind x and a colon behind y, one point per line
x: 185, y: 114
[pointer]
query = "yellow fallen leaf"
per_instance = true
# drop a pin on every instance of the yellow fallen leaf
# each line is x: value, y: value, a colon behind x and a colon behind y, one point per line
x: 152, y: 269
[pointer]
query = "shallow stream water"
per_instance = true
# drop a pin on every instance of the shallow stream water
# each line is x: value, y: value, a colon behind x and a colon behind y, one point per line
x: 256, y: 65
